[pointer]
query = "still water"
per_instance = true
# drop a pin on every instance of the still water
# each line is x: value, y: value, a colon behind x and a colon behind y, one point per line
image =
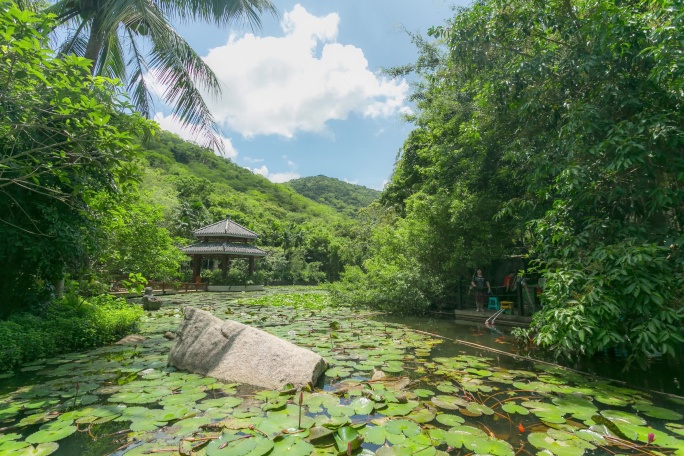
x: 432, y: 394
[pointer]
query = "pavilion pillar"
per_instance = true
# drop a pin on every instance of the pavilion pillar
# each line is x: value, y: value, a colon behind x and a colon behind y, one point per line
x: 196, y: 266
x: 251, y: 265
x: 224, y: 265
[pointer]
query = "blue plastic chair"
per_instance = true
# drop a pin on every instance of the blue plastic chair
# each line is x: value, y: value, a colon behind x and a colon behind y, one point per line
x: 493, y: 303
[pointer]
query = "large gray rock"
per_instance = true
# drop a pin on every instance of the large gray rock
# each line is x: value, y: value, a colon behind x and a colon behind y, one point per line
x: 233, y: 352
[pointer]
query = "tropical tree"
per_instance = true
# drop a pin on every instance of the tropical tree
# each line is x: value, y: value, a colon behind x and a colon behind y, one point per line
x: 134, y: 41
x: 65, y: 136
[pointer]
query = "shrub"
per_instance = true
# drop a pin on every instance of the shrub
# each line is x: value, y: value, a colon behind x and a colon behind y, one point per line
x: 67, y: 325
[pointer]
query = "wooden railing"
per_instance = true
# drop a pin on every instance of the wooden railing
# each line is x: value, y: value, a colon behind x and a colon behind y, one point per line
x: 164, y: 287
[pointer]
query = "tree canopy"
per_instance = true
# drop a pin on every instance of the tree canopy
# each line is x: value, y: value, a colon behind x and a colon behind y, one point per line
x: 65, y: 136
x: 554, y: 129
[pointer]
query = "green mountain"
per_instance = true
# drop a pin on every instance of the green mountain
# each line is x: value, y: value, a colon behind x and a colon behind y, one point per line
x: 308, y: 241
x: 344, y: 197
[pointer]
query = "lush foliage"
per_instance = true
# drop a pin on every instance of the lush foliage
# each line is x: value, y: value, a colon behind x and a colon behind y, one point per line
x: 307, y: 242
x: 344, y: 197
x: 554, y: 128
x: 63, y: 140
x: 67, y: 325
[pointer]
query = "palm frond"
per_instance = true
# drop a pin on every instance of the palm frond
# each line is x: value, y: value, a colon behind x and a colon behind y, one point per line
x: 112, y: 62
x: 137, y: 86
x: 218, y: 11
x: 176, y: 68
x: 75, y: 43
x: 65, y: 10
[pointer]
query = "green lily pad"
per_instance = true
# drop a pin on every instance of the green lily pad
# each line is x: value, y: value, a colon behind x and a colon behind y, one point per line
x: 399, y: 409
x: 51, y: 435
x: 423, y: 393
x: 240, y: 446
x: 618, y: 415
x: 449, y: 402
x: 459, y: 436
x: 405, y: 427
x: 293, y: 446
x: 375, y: 435
x: 40, y: 450
x: 450, y: 420
x: 477, y: 409
x: 658, y: 412
x: 512, y: 408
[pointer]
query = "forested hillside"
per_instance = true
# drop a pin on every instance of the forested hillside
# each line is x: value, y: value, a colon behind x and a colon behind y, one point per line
x: 342, y: 196
x: 307, y: 241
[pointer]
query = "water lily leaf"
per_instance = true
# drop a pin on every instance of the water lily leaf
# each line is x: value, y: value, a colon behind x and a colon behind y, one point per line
x: 579, y: 408
x: 458, y: 436
x: 394, y: 450
x: 40, y: 450
x: 423, y: 393
x: 491, y: 446
x: 374, y: 434
x: 405, y: 427
x: 399, y: 409
x: 422, y: 416
x: 221, y: 402
x: 512, y: 408
x: 293, y: 446
x: 240, y: 446
x: 618, y: 415
x: 187, y: 425
x: 478, y: 409
x: 347, y: 435
x: 559, y: 447
x: 362, y: 406
x: 450, y: 420
x: 51, y: 435
x: 677, y: 428
x: 8, y: 446
x: 449, y: 402
x: 658, y: 412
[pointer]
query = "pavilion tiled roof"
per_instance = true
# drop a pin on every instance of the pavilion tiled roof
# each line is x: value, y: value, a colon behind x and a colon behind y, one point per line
x: 206, y: 248
x: 225, y: 228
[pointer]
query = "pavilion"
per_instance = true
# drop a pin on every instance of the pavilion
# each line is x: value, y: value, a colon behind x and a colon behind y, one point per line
x: 223, y: 241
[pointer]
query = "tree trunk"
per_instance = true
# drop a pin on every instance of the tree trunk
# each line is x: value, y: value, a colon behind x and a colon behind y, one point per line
x: 95, y: 41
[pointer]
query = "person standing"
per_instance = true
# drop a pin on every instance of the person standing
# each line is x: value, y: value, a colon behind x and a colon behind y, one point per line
x: 482, y: 287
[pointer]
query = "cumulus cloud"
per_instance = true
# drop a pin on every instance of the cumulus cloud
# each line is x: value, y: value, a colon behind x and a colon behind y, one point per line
x: 172, y: 124
x: 299, y: 81
x: 274, y: 177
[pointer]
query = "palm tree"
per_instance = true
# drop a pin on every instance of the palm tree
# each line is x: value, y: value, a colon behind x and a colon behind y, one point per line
x: 133, y: 40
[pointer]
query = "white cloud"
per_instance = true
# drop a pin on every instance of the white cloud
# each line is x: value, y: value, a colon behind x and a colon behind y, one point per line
x: 298, y: 82
x: 253, y: 160
x: 172, y: 124
x: 274, y: 177
x: 355, y: 181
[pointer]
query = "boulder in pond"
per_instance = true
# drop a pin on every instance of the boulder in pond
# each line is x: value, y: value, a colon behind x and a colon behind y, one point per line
x: 233, y: 352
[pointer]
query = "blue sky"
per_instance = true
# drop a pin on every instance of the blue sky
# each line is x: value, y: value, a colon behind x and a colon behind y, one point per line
x: 304, y: 94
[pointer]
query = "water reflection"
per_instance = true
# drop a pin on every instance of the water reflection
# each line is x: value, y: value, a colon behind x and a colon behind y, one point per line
x: 662, y: 375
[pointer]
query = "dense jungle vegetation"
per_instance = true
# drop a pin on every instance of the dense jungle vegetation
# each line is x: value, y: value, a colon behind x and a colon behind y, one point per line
x: 554, y: 128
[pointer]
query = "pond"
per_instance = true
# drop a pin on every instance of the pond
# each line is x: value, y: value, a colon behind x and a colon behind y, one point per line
x: 389, y: 390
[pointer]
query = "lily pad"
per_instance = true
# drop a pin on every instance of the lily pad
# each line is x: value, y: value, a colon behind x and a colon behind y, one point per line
x: 449, y: 402
x: 51, y: 435
x: 450, y: 420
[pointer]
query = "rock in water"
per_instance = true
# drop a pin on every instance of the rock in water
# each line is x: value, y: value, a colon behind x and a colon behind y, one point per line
x: 233, y: 352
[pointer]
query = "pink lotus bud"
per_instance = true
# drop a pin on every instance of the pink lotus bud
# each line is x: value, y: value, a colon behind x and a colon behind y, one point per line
x: 301, y: 397
x: 651, y: 438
